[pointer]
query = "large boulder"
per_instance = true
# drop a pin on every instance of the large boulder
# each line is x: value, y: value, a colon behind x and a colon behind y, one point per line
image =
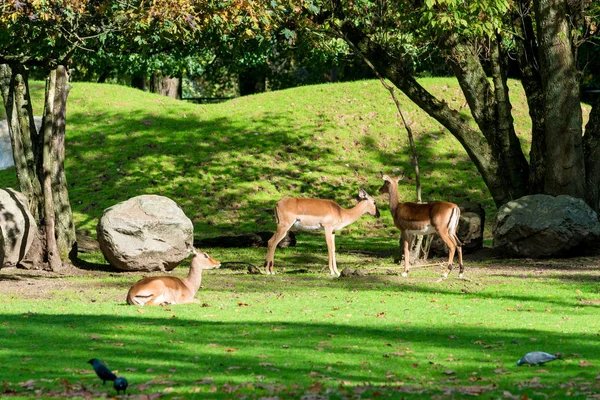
x: 545, y: 226
x: 17, y: 226
x: 145, y: 233
x: 470, y: 230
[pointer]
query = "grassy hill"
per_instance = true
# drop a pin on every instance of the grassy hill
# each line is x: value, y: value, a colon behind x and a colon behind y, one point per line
x: 227, y: 164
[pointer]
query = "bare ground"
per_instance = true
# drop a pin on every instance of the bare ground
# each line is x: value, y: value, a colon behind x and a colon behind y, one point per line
x: 481, y: 266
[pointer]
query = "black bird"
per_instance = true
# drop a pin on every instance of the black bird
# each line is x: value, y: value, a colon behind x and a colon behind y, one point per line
x: 536, y: 358
x: 120, y: 384
x: 102, y: 371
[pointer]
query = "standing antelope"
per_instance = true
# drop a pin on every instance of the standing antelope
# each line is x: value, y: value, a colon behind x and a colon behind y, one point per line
x: 424, y: 219
x: 311, y: 214
x: 170, y: 289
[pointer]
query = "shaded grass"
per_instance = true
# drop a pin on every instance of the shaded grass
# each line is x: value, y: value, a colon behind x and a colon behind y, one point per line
x: 295, y: 334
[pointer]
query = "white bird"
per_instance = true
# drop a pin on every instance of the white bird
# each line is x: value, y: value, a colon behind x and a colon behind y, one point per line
x: 536, y: 358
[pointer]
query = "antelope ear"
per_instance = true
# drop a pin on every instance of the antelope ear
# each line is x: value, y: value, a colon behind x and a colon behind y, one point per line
x: 399, y: 178
x: 386, y: 178
x: 193, y: 251
x: 362, y: 193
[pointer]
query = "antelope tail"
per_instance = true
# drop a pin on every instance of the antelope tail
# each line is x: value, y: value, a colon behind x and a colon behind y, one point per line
x: 453, y: 226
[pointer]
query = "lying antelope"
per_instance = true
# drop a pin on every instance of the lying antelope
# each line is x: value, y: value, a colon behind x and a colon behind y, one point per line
x: 424, y: 219
x: 312, y: 214
x: 170, y: 289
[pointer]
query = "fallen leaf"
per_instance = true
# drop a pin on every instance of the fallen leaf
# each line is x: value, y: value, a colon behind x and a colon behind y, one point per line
x: 583, y: 363
x: 449, y: 372
x: 230, y: 349
x: 242, y: 304
x: 316, y: 387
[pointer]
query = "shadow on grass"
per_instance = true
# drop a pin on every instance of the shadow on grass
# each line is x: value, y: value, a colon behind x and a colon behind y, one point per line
x: 179, y: 352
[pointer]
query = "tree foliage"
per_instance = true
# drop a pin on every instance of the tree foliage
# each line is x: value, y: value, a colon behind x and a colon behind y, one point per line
x: 56, y: 35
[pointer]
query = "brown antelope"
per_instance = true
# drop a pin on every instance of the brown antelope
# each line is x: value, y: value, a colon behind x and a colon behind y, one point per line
x: 423, y: 219
x: 312, y: 214
x: 170, y: 289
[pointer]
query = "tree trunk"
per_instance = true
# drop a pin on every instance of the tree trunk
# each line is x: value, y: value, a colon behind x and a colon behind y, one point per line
x: 139, y: 81
x: 591, y: 143
x: 48, y: 152
x: 528, y: 59
x: 63, y: 215
x: 39, y: 159
x: 23, y: 134
x: 165, y: 85
x: 565, y: 169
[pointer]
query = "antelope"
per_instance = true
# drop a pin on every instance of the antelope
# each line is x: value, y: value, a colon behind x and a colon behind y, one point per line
x: 314, y: 214
x: 169, y: 289
x: 424, y: 219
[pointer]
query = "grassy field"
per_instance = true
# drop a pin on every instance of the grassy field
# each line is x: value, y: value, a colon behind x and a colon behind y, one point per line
x: 301, y: 333
x: 227, y: 164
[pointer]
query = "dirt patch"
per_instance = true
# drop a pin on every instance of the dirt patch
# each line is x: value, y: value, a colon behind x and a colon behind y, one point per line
x: 34, y: 284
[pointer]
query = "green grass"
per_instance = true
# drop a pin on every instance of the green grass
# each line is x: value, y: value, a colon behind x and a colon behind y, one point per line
x: 296, y: 334
x: 227, y: 164
x: 301, y: 332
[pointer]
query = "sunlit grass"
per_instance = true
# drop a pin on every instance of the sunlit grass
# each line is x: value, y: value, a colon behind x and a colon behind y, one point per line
x: 302, y: 332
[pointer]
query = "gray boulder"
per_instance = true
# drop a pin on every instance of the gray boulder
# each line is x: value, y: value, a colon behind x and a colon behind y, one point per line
x: 17, y: 226
x: 470, y: 230
x: 145, y: 233
x: 545, y: 226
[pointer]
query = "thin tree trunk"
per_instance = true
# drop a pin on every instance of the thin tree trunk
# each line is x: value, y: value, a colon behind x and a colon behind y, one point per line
x: 49, y: 149
x: 65, y: 228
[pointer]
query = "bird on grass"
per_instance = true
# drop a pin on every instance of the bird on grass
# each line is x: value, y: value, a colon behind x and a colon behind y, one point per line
x: 536, y: 358
x: 102, y: 371
x: 120, y: 384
